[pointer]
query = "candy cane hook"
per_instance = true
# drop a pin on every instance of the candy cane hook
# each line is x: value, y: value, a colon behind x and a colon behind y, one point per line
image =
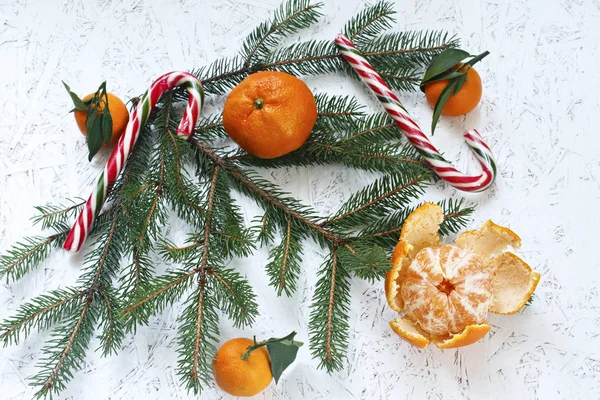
x: 117, y: 159
x: 414, y: 134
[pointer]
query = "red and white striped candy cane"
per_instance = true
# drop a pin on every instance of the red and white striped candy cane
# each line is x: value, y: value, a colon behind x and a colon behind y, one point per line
x: 445, y: 170
x: 117, y: 160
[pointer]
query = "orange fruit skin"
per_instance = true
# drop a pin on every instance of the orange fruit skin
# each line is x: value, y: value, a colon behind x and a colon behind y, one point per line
x: 284, y: 122
x: 118, y: 112
x: 242, y: 377
x: 462, y: 102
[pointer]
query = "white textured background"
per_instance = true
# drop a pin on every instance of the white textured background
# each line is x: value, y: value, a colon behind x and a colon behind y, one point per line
x: 540, y: 113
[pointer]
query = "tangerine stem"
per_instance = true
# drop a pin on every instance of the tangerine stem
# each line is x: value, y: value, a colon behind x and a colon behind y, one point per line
x: 258, y: 103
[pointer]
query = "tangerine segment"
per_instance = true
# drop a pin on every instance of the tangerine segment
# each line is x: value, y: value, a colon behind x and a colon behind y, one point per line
x: 408, y: 331
x: 445, y: 289
x: 488, y: 241
x: 470, y: 335
x: 513, y: 283
x: 393, y: 278
x: 421, y: 228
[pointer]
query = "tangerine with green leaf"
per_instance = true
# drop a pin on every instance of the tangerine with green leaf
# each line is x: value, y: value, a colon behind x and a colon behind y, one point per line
x: 118, y: 112
x: 241, y: 376
x: 461, y: 102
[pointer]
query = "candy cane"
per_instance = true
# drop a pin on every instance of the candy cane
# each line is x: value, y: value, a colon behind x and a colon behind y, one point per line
x: 445, y: 170
x: 115, y: 163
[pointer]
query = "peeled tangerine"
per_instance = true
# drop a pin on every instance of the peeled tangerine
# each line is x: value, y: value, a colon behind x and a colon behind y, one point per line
x: 446, y: 291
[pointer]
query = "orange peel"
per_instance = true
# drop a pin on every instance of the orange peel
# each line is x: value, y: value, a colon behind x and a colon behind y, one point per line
x: 513, y: 283
x: 446, y: 291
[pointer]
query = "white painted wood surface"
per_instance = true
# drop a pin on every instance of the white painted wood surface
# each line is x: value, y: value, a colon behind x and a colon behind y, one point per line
x: 540, y: 113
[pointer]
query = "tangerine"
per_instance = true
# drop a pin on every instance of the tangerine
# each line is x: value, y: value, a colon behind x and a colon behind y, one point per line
x: 118, y: 113
x: 270, y: 114
x: 464, y: 101
x: 238, y: 376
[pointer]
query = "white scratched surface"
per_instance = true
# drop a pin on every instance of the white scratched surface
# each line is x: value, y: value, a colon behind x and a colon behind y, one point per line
x: 540, y: 113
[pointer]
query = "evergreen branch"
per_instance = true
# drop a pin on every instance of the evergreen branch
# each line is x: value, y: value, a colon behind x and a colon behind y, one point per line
x: 211, y: 127
x: 408, y: 50
x: 207, y: 221
x: 155, y: 296
x: 284, y: 267
x: 328, y: 325
x: 337, y: 113
x: 65, y: 352
x: 369, y: 260
x: 198, y: 333
x: 377, y: 200
x: 113, y: 333
x: 370, y: 22
x: 50, y: 215
x: 199, y: 319
x: 180, y: 254
x: 41, y: 312
x: 456, y: 215
x: 292, y: 16
x: 234, y: 295
x: 222, y: 75
x: 28, y: 254
x: 266, y: 229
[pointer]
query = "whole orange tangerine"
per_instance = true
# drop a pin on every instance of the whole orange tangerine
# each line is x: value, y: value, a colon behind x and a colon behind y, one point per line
x: 240, y: 377
x: 463, y: 102
x: 118, y: 112
x: 270, y: 114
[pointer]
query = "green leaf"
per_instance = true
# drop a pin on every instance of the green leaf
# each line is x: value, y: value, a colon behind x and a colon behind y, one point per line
x: 107, y: 125
x: 446, y: 75
x: 77, y: 102
x: 439, y: 105
x: 282, y: 355
x: 93, y: 126
x: 442, y: 63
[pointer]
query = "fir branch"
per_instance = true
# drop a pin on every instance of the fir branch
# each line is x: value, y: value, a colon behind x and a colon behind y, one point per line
x: 234, y: 295
x: 270, y: 197
x: 369, y: 261
x: 328, y: 325
x: 292, y: 16
x: 370, y: 22
x: 112, y: 333
x: 50, y: 215
x: 155, y: 295
x: 284, y: 267
x: 456, y: 215
x: 197, y: 335
x: 377, y: 200
x: 40, y: 313
x: 210, y: 128
x: 170, y: 252
x: 406, y: 51
x: 337, y: 113
x: 265, y: 228
x: 222, y: 75
x: 26, y: 255
x: 65, y: 351
x: 314, y: 57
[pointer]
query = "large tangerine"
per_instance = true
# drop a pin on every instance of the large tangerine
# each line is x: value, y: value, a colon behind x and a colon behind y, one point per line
x: 270, y: 114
